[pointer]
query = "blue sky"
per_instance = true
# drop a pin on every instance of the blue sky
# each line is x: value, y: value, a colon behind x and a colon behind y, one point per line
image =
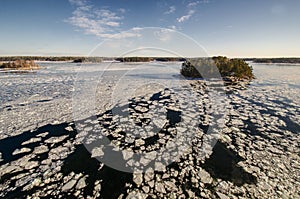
x: 235, y: 28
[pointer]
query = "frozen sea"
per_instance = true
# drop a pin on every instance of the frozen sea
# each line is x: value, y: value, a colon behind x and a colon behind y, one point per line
x: 42, y: 155
x: 32, y: 99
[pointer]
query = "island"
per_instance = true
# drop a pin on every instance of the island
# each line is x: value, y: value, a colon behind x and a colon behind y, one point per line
x: 20, y: 65
x: 148, y: 59
x: 280, y: 60
x: 229, y: 69
x: 39, y: 58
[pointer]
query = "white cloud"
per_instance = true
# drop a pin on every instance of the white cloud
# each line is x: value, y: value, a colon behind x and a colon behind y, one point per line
x: 137, y: 29
x: 113, y: 23
x: 186, y: 17
x: 100, y: 22
x: 106, y: 14
x: 192, y: 4
x: 191, y: 10
x: 171, y: 10
x: 164, y: 35
x: 120, y: 35
x: 78, y: 2
x: 195, y: 3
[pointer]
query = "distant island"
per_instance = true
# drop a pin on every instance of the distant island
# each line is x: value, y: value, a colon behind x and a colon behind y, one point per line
x: 148, y: 59
x: 81, y: 59
x: 40, y: 58
x: 283, y: 60
x: 88, y: 60
x: 20, y: 65
x: 84, y: 59
x: 229, y: 69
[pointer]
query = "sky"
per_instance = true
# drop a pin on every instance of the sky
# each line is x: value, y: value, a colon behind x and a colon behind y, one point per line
x: 233, y: 28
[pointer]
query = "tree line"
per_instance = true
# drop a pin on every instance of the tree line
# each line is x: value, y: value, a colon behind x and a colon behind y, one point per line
x: 79, y: 59
x: 277, y: 60
x: 148, y: 59
x: 47, y: 58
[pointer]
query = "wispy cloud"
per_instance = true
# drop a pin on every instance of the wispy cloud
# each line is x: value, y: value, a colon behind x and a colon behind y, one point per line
x: 103, y: 23
x: 171, y: 10
x: 121, y: 35
x: 192, y: 4
x: 164, y: 35
x: 195, y: 3
x: 78, y: 2
x: 186, y: 17
x: 191, y: 10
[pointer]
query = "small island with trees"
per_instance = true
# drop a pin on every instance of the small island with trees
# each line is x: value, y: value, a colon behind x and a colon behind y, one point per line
x: 20, y: 65
x: 232, y: 70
